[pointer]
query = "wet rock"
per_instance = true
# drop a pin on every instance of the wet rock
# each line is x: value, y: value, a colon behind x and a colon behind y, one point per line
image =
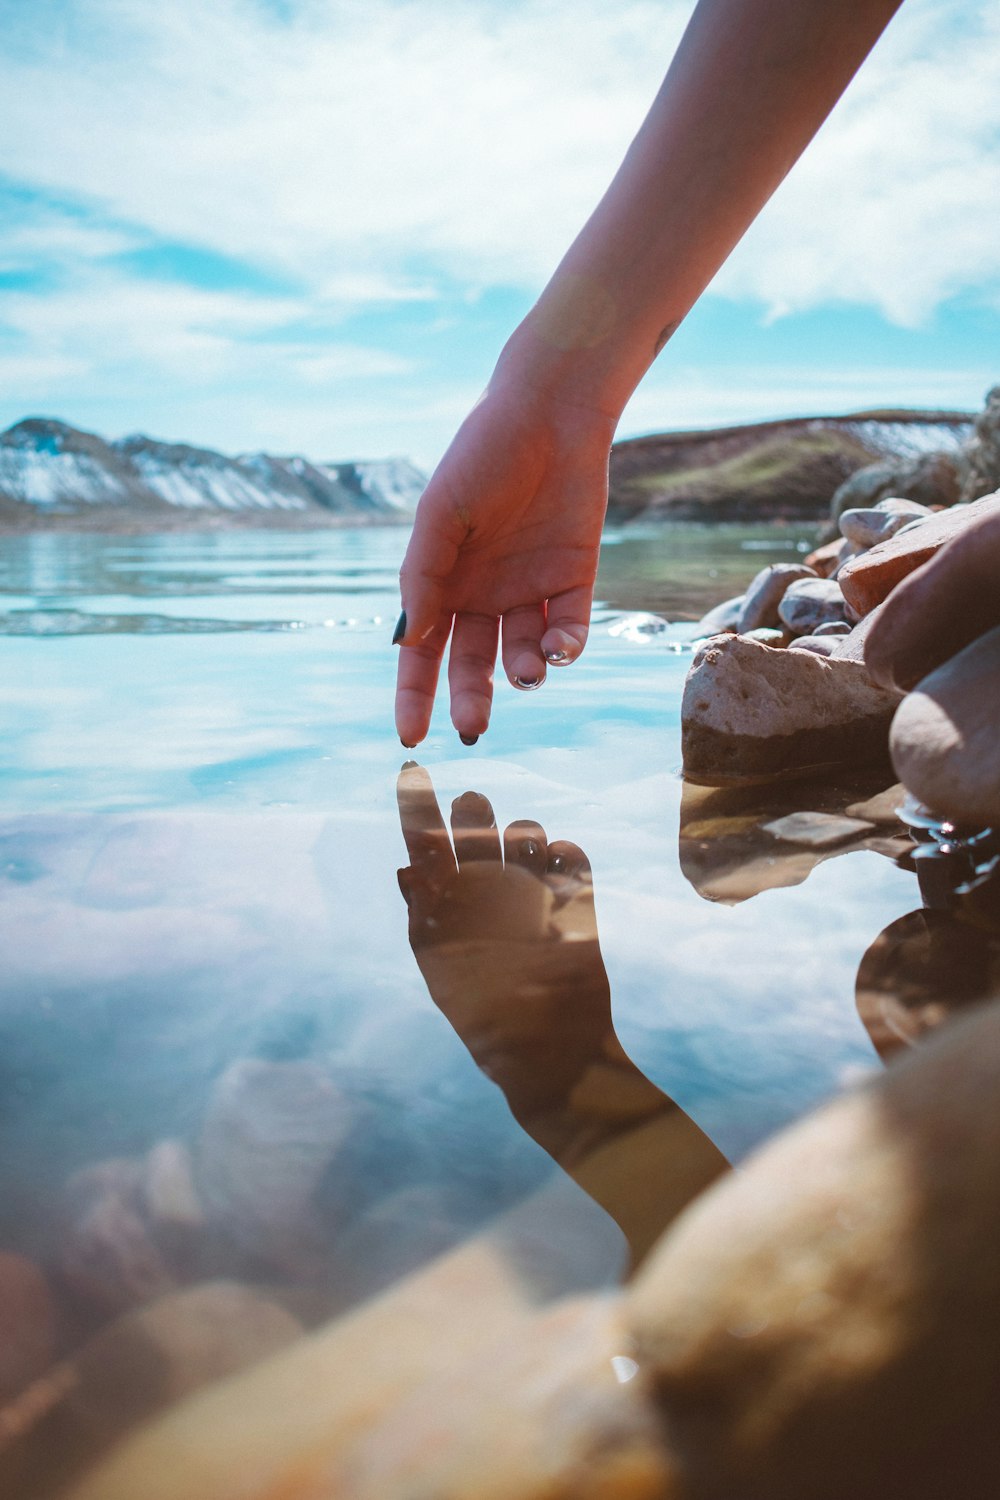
x: 760, y: 604
x: 823, y: 645
x: 865, y: 528
x: 825, y: 1288
x: 767, y: 637
x: 816, y: 830
x: 723, y: 618
x: 922, y: 971
x: 868, y: 579
x: 144, y: 1361
x: 27, y: 1323
x: 945, y: 739
x: 750, y: 711
x: 270, y: 1134
x: 728, y: 848
x: 811, y: 602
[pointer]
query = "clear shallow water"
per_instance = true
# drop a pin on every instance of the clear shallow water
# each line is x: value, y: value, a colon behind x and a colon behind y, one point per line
x: 229, y: 1048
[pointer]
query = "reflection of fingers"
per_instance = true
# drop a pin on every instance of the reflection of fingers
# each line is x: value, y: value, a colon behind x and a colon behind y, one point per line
x: 475, y: 829
x: 569, y: 860
x: 522, y: 652
x: 470, y: 672
x: 524, y: 844
x: 416, y: 681
x: 424, y: 830
x: 567, y: 626
x: 939, y: 609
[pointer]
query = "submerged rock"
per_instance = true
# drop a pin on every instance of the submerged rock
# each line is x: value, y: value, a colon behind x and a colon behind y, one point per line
x: 868, y: 579
x: 271, y: 1131
x: 750, y: 711
x: 27, y: 1323
x: 945, y: 740
x: 760, y: 603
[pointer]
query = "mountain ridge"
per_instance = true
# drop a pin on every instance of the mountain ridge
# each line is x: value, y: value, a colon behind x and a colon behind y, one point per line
x: 55, y: 475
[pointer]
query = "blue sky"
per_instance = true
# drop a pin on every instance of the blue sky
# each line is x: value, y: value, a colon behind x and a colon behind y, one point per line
x: 308, y: 225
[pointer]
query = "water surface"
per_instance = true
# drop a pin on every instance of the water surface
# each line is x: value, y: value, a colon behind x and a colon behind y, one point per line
x: 236, y: 1043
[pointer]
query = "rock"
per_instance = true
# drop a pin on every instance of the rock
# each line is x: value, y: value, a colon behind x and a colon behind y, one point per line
x: 760, y: 603
x: 821, y: 1324
x: 823, y: 645
x: 833, y: 628
x: 816, y: 830
x: 922, y: 971
x: 27, y: 1323
x: 812, y: 602
x: 825, y: 1288
x: 767, y: 637
x: 144, y: 1361
x: 862, y: 489
x: 865, y: 528
x: 827, y: 559
x: 981, y: 469
x: 723, y: 618
x: 931, y: 479
x: 110, y: 1258
x: 941, y: 608
x: 750, y: 711
x: 868, y: 579
x: 945, y: 740
x: 270, y: 1133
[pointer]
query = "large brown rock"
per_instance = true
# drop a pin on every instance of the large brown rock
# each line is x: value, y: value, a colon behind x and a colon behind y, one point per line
x: 827, y: 1322
x: 945, y: 739
x: 868, y: 579
x: 941, y: 607
x: 824, y: 1323
x: 750, y: 711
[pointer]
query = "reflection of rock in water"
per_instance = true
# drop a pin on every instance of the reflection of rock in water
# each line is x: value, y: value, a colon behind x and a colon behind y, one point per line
x: 921, y: 970
x: 737, y: 841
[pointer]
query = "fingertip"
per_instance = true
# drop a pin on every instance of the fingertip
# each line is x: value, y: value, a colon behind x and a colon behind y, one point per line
x: 563, y: 645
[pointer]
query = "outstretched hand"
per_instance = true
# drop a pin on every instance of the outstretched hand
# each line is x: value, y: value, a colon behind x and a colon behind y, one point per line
x: 506, y: 540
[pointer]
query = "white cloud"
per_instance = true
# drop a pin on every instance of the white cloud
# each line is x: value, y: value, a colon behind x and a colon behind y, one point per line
x: 475, y: 137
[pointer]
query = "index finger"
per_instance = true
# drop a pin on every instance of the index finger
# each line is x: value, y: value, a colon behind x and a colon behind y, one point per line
x: 424, y: 830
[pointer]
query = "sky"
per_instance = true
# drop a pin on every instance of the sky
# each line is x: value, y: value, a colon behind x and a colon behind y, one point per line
x: 309, y: 225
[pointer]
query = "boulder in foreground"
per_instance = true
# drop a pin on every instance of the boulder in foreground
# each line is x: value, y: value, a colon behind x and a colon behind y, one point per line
x: 945, y: 738
x: 750, y: 711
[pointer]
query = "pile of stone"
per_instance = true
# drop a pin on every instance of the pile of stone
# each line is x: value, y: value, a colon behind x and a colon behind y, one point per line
x: 780, y: 684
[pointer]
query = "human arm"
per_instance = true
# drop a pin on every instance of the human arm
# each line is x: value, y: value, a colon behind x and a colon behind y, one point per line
x: 509, y: 527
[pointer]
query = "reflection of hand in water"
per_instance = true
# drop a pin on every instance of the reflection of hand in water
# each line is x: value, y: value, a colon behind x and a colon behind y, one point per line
x: 505, y: 935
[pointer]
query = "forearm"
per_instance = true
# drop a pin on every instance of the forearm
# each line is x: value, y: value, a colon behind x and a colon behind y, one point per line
x: 751, y: 83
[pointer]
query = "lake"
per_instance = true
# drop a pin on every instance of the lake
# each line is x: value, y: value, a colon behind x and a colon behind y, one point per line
x: 237, y: 1044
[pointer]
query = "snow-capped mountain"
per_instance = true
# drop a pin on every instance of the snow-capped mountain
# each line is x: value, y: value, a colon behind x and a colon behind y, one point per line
x: 57, y: 469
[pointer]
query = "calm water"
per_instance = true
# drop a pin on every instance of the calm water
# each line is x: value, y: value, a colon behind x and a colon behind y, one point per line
x: 229, y: 1047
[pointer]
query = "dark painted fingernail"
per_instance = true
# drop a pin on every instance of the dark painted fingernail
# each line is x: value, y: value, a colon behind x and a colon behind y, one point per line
x: 557, y: 864
x: 468, y: 739
x: 529, y: 848
x: 528, y: 683
x: 400, y: 630
x: 406, y: 746
x: 408, y: 765
x: 557, y: 657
